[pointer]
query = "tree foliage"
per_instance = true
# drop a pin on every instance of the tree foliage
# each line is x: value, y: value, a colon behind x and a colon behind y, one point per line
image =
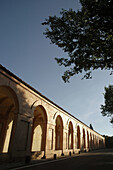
x: 86, y: 35
x: 91, y: 127
x: 107, y: 109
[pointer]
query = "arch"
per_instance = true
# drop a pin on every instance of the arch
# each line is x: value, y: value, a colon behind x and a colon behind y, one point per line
x: 93, y: 141
x: 96, y: 142
x: 68, y: 121
x: 78, y: 137
x: 59, y: 133
x: 90, y: 140
x: 84, y: 140
x: 55, y: 115
x: 39, y: 129
x: 9, y: 107
x: 87, y: 139
x: 70, y: 135
x: 34, y: 103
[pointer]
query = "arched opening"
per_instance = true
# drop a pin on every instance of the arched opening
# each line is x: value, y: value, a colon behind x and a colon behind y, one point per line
x: 87, y: 139
x: 93, y: 141
x: 96, y: 142
x: 8, y: 111
x: 78, y: 137
x: 84, y: 142
x: 59, y: 133
x: 90, y: 141
x: 39, y: 129
x: 70, y: 136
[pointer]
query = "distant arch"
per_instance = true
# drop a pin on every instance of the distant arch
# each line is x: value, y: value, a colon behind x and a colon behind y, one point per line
x: 34, y: 104
x: 90, y: 140
x: 55, y: 115
x: 87, y: 139
x: 84, y: 140
x: 93, y: 140
x: 70, y: 135
x: 59, y: 133
x: 9, y: 108
x: 78, y: 137
x: 39, y: 129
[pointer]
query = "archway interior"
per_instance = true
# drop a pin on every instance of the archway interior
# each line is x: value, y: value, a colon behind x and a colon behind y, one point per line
x: 84, y: 142
x: 70, y: 136
x: 8, y: 108
x: 90, y: 140
x: 93, y: 140
x: 39, y: 129
x: 59, y: 133
x: 87, y: 139
x: 78, y: 137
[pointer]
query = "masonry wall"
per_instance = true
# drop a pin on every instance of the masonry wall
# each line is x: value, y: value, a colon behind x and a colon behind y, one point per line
x: 39, y: 127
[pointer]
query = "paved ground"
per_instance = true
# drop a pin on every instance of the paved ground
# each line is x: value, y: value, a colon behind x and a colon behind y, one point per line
x: 96, y: 160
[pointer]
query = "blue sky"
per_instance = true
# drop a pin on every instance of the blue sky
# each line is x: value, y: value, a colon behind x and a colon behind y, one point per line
x: 26, y: 52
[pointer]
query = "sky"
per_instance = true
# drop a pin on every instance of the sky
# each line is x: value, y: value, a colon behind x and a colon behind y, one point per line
x: 26, y: 52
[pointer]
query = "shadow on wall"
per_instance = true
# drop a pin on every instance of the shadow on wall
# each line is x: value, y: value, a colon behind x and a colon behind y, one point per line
x: 15, y: 122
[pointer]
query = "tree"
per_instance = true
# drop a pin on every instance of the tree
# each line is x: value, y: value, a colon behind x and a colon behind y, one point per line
x: 91, y: 127
x: 108, y: 141
x: 107, y: 109
x: 86, y: 35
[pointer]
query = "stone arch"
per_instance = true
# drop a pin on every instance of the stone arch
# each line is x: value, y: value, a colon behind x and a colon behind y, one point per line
x: 9, y: 107
x: 87, y: 139
x: 39, y: 129
x: 90, y: 140
x: 78, y: 137
x: 33, y: 105
x: 59, y: 133
x: 68, y: 121
x: 96, y: 141
x: 70, y: 135
x: 93, y: 140
x: 84, y: 140
x: 56, y: 114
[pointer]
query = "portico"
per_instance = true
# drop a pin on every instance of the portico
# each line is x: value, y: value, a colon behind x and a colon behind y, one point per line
x: 33, y: 126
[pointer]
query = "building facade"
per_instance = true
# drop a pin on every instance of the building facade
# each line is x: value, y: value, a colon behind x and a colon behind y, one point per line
x: 33, y: 126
